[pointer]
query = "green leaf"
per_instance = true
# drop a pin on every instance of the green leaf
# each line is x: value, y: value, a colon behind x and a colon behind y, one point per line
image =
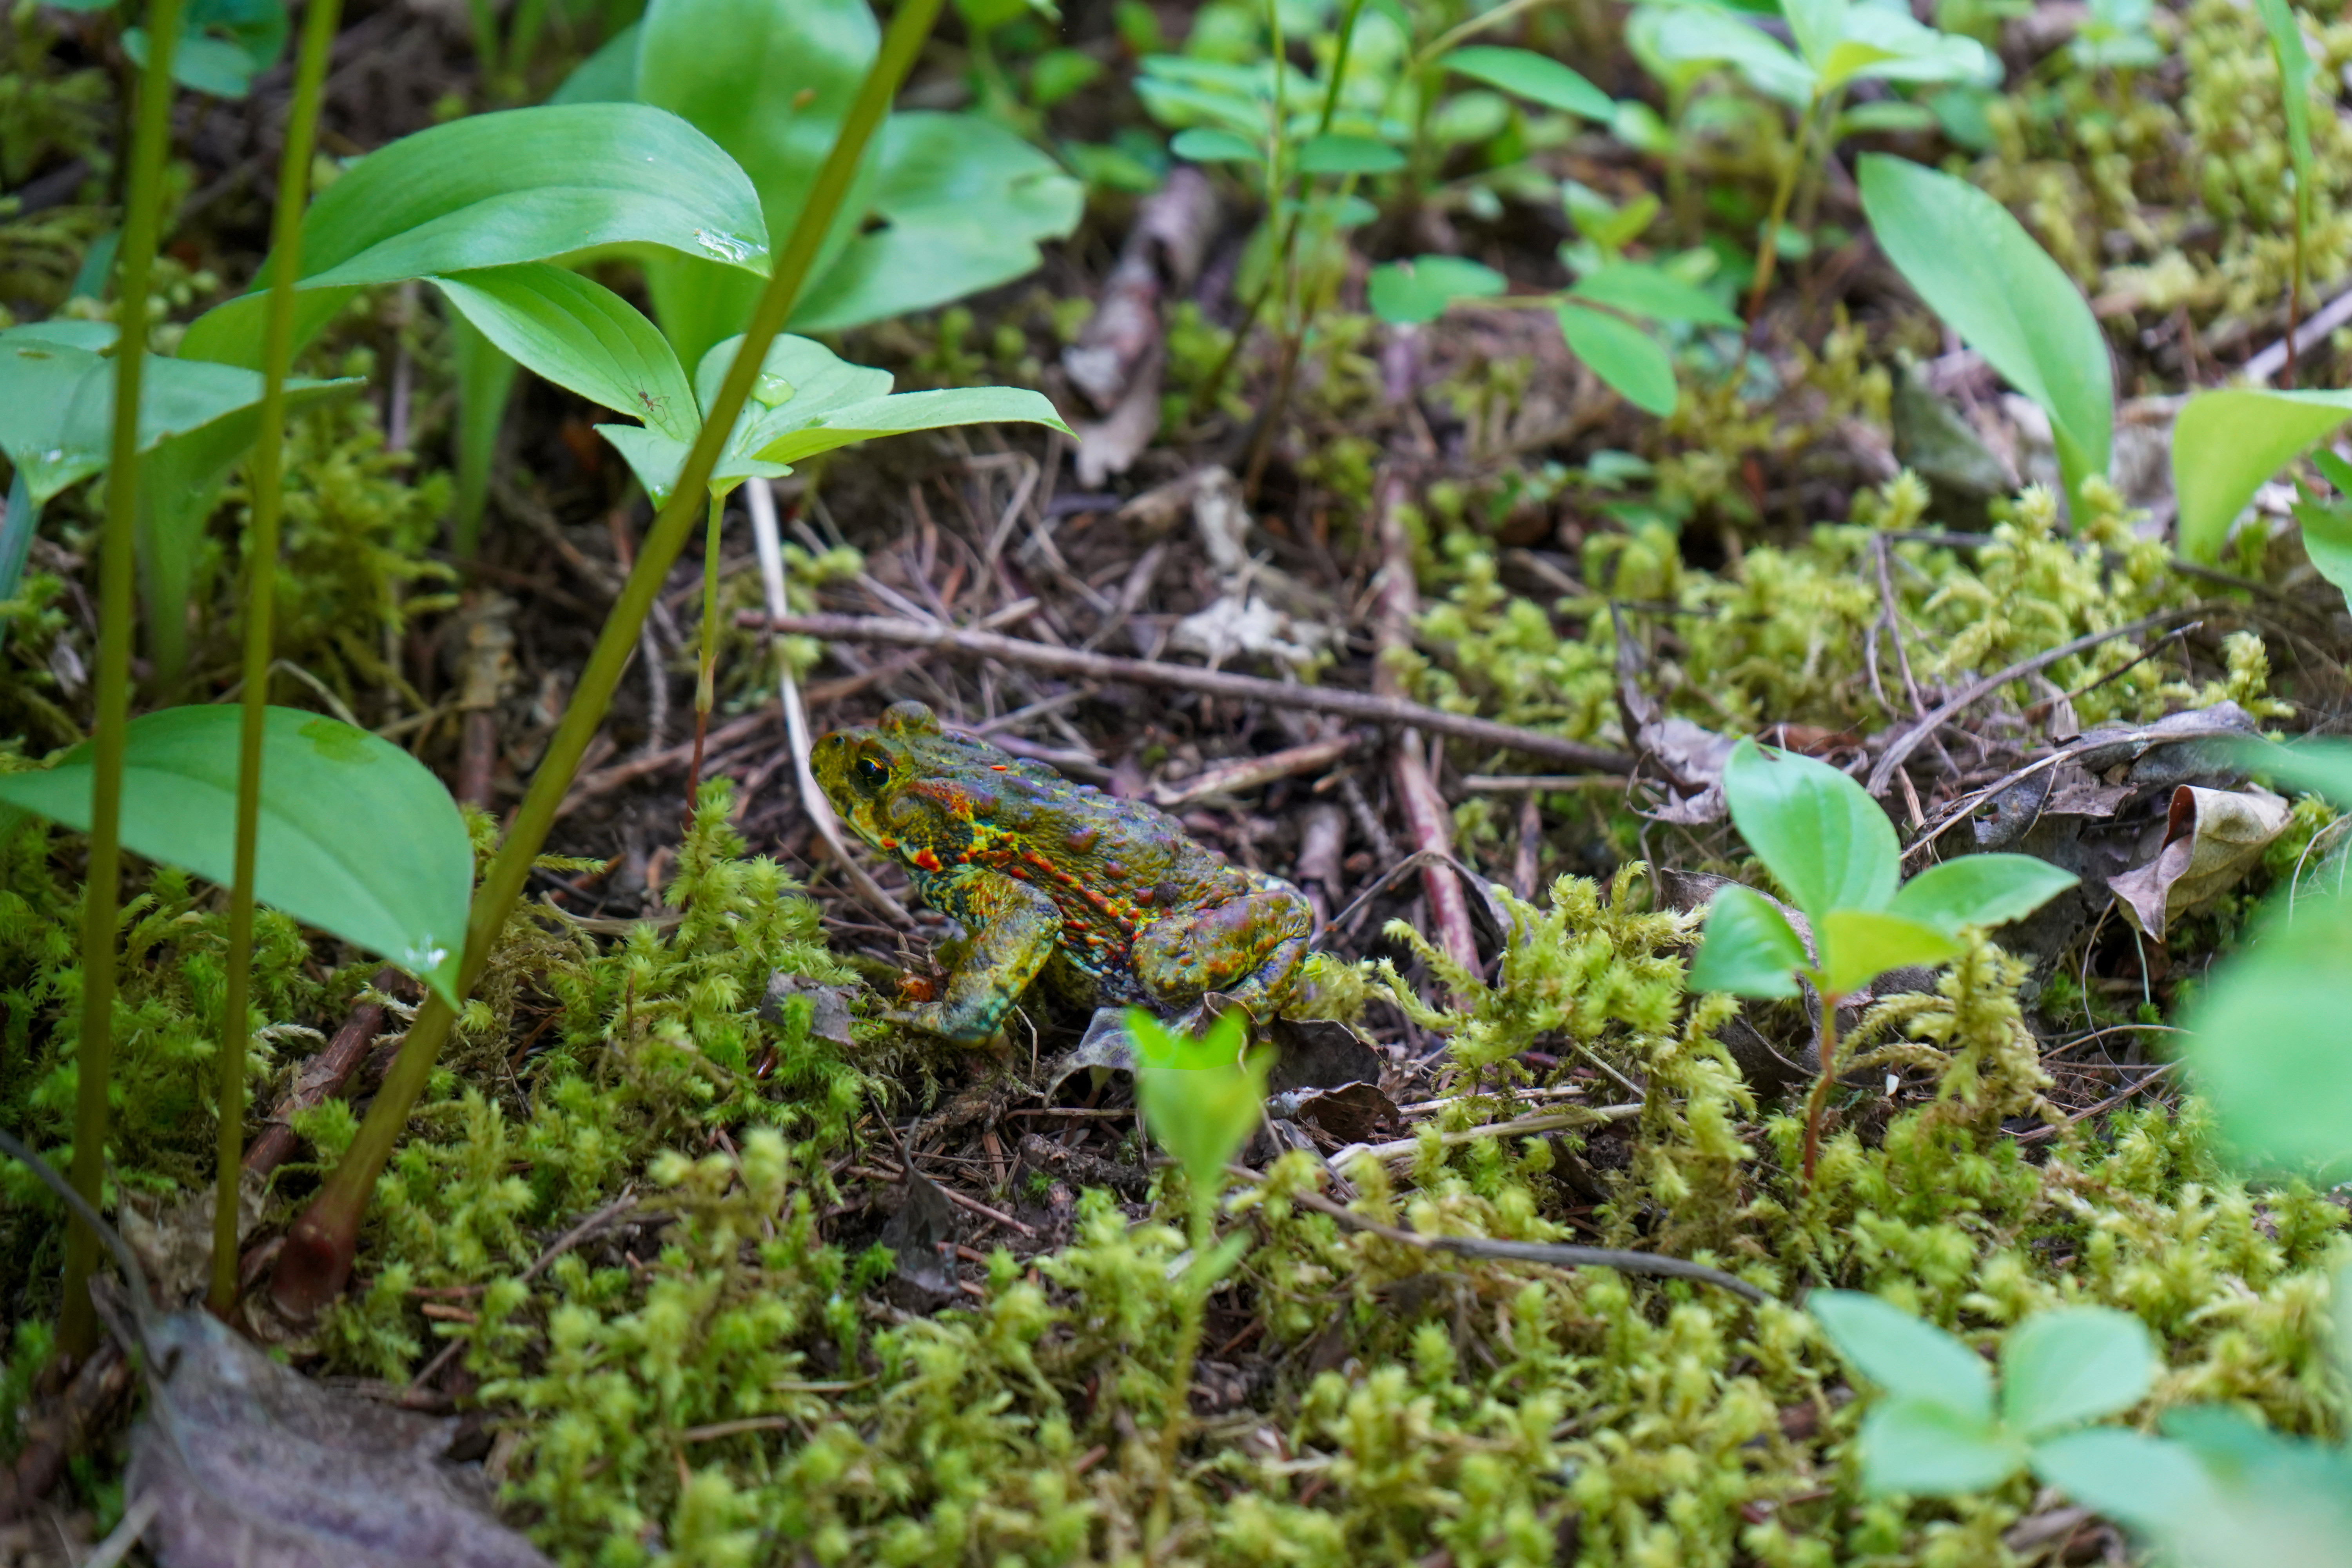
x: 1820, y: 831
x: 21, y: 519
x: 2072, y: 1365
x: 357, y: 837
x: 1859, y: 945
x: 1537, y: 78
x: 1904, y: 1355
x: 2267, y: 1043
x: 1420, y: 289
x: 1692, y: 35
x: 657, y: 459
x: 1916, y: 1446
x: 1633, y: 364
x: 580, y: 335
x: 608, y: 75
x: 483, y: 374
x: 2295, y: 88
x: 2149, y: 1484
x: 1978, y: 269
x: 1207, y: 144
x: 1851, y: 59
x: 222, y: 44
x: 1891, y: 116
x: 491, y: 190
x: 2226, y: 444
x: 1907, y: 51
x: 1200, y: 1098
x: 1816, y: 25
x: 1338, y: 154
x: 963, y: 203
x: 774, y: 95
x: 2314, y: 764
x: 781, y: 438
x: 1748, y: 948
x: 1980, y: 891
x: 1639, y: 290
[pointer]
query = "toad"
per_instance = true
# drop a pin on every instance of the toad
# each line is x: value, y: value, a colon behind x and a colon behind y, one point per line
x: 1106, y: 900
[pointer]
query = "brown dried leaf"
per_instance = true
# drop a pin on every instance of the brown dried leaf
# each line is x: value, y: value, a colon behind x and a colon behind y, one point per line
x: 2211, y: 838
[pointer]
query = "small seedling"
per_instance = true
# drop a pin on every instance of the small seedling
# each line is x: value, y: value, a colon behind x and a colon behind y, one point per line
x: 1939, y: 1431
x: 1826, y: 841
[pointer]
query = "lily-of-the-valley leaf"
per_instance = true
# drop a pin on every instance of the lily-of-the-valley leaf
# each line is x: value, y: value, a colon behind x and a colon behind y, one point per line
x: 357, y: 837
x: 580, y: 335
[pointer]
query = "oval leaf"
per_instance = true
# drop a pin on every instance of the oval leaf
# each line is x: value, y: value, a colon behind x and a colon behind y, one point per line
x: 2267, y: 1043
x: 1537, y: 78
x: 580, y: 335
x: 1859, y: 945
x: 2073, y: 1364
x: 1643, y: 290
x: 1903, y: 1354
x: 1819, y: 833
x: 2226, y: 444
x: 1420, y: 289
x: 1914, y: 1446
x: 1635, y: 365
x: 1748, y: 948
x: 1207, y: 144
x: 1980, y: 891
x: 1334, y: 154
x: 357, y: 837
x: 2146, y: 1482
x: 491, y: 190
x: 1978, y: 269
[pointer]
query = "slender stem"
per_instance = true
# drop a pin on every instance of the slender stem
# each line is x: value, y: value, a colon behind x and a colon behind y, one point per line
x: 2294, y: 288
x: 317, y: 1256
x: 95, y: 1052
x: 1817, y: 1103
x: 260, y: 605
x: 1339, y: 65
x: 1475, y: 25
x: 1769, y: 252
x: 1193, y: 1308
x: 706, y: 683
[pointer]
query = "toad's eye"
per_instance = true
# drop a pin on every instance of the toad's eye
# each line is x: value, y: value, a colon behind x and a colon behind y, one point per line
x: 871, y: 773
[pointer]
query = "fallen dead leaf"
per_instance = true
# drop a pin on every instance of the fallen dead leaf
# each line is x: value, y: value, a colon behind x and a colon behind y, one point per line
x: 2211, y: 838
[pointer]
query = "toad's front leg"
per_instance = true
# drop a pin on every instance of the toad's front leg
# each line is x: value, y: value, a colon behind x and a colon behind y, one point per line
x: 1246, y: 949
x: 1010, y: 929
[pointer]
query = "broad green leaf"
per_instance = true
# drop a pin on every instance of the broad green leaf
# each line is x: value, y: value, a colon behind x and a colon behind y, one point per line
x: 491, y: 190
x: 1338, y: 154
x: 773, y: 95
x: 2226, y: 444
x: 2072, y: 1365
x: 580, y: 335
x: 358, y: 839
x: 2314, y: 764
x: 1539, y: 79
x: 608, y: 75
x: 223, y: 42
x: 1635, y: 365
x: 1693, y: 34
x: 1909, y: 51
x: 1639, y: 290
x: 799, y: 371
x: 962, y: 201
x: 1816, y: 25
x: 781, y: 438
x: 1902, y: 1355
x: 2267, y: 1040
x: 1420, y: 289
x: 1978, y: 269
x: 19, y: 524
x: 1980, y: 891
x: 1748, y: 948
x: 1207, y: 144
x: 657, y: 459
x: 1850, y: 59
x: 2328, y: 525
x: 1888, y: 116
x: 2146, y: 1482
x: 1916, y: 1446
x: 1200, y: 1098
x: 1820, y: 831
x: 1859, y: 945
x: 2271, y: 1502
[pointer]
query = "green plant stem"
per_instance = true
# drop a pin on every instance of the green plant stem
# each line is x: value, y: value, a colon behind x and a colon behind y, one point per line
x: 1475, y: 25
x: 317, y: 1256
x: 1769, y: 252
x: 1817, y: 1104
x: 705, y: 676
x: 2294, y: 289
x: 1194, y: 1309
x: 94, y: 1053
x: 260, y: 605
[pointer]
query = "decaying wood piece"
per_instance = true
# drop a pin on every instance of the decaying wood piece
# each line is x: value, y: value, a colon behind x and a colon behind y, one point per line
x: 1427, y: 821
x: 1119, y: 355
x: 321, y: 1077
